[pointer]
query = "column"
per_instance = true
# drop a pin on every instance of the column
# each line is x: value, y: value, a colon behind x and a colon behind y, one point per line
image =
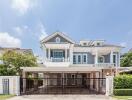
x: 24, y: 81
x: 71, y: 54
x: 49, y: 53
x: 119, y: 59
x: 66, y: 54
x: 97, y: 81
x: 111, y: 57
x: 96, y: 57
x: 91, y: 81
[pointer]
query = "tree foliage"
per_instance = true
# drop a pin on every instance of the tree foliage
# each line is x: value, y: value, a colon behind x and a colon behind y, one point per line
x: 126, y: 60
x: 13, y: 61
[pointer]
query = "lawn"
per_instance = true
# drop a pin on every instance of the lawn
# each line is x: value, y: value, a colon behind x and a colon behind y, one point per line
x: 123, y: 97
x: 4, y: 97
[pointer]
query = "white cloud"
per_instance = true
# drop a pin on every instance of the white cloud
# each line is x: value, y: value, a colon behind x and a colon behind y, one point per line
x: 7, y: 40
x: 123, y: 44
x: 21, y: 30
x: 22, y: 6
x: 18, y: 30
x: 42, y: 31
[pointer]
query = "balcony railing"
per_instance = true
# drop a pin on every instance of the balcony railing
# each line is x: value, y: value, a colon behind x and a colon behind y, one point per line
x: 58, y: 59
x: 105, y: 65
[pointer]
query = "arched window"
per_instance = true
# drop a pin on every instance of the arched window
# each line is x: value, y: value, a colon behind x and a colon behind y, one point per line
x: 57, y: 40
x: 101, y: 59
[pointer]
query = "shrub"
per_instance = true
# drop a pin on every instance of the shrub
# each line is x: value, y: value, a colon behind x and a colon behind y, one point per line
x: 123, y: 82
x: 123, y: 92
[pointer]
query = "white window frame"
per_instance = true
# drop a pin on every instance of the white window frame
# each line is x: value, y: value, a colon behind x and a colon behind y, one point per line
x: 83, y: 58
x: 115, y: 59
x: 54, y: 51
x: 103, y: 59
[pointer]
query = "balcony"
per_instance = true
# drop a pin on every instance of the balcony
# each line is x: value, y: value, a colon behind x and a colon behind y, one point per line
x: 57, y: 62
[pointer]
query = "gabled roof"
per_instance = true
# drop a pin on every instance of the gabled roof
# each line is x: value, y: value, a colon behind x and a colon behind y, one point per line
x: 54, y: 34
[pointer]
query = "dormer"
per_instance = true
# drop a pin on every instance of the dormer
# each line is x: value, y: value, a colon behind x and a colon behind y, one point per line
x: 98, y: 42
x: 92, y: 42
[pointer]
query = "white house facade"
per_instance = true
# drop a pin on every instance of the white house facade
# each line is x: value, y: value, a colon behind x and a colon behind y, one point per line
x: 69, y: 67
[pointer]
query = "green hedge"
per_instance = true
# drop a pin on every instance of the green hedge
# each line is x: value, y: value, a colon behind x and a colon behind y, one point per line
x: 123, y: 82
x: 123, y: 92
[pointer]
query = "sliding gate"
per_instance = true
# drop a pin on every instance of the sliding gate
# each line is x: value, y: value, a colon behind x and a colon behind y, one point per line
x: 62, y: 86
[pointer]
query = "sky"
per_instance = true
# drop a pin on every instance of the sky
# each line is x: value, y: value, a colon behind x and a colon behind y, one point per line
x: 23, y: 23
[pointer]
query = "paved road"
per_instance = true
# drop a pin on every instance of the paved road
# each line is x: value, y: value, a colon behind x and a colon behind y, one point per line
x: 62, y: 97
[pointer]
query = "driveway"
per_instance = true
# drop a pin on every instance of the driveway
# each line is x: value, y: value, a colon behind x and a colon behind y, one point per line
x: 62, y: 97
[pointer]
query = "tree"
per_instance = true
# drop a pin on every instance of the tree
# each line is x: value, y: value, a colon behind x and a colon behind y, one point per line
x: 13, y: 61
x: 126, y: 60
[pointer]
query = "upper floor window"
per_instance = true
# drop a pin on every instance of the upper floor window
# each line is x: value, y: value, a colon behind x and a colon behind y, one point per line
x: 98, y: 44
x: 101, y: 59
x: 79, y: 59
x: 84, y: 58
x: 74, y: 59
x: 57, y: 40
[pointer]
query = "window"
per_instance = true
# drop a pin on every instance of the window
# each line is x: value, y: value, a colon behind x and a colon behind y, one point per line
x: 57, y: 40
x: 115, y: 59
x: 84, y: 44
x: 84, y: 58
x: 74, y: 59
x: 101, y: 59
x: 79, y: 59
x: 57, y: 54
x: 98, y: 44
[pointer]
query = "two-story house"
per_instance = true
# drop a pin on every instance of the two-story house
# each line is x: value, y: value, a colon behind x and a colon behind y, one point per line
x: 68, y: 64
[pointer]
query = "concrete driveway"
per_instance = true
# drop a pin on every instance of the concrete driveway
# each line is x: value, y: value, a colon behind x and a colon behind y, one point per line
x: 62, y: 97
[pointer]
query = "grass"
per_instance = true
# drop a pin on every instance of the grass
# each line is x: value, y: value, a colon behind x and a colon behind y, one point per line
x: 123, y: 97
x: 4, y: 97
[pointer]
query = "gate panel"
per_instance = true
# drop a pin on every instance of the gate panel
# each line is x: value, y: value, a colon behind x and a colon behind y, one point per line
x: 62, y: 86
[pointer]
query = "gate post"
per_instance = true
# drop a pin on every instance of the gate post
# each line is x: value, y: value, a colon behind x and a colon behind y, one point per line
x: 109, y: 85
x: 24, y: 81
x: 17, y: 85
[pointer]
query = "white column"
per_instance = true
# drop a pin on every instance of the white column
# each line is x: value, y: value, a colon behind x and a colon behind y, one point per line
x: 119, y: 59
x: 96, y: 57
x: 49, y: 53
x: 97, y: 81
x: 71, y: 54
x: 65, y: 54
x: 91, y: 81
x: 111, y: 57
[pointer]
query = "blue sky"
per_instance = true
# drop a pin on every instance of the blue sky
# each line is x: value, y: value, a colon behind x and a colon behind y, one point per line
x: 24, y: 22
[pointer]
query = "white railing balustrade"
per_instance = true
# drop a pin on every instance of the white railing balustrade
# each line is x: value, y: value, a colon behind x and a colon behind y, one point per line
x: 104, y: 65
x: 57, y: 59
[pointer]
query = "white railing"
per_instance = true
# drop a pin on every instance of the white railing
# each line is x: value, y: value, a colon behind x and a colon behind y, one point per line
x: 104, y: 65
x: 58, y: 60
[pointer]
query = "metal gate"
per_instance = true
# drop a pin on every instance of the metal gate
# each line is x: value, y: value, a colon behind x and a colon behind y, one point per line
x: 62, y: 86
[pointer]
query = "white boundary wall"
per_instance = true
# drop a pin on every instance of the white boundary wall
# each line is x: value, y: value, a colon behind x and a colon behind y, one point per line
x: 14, y: 84
x: 109, y: 85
